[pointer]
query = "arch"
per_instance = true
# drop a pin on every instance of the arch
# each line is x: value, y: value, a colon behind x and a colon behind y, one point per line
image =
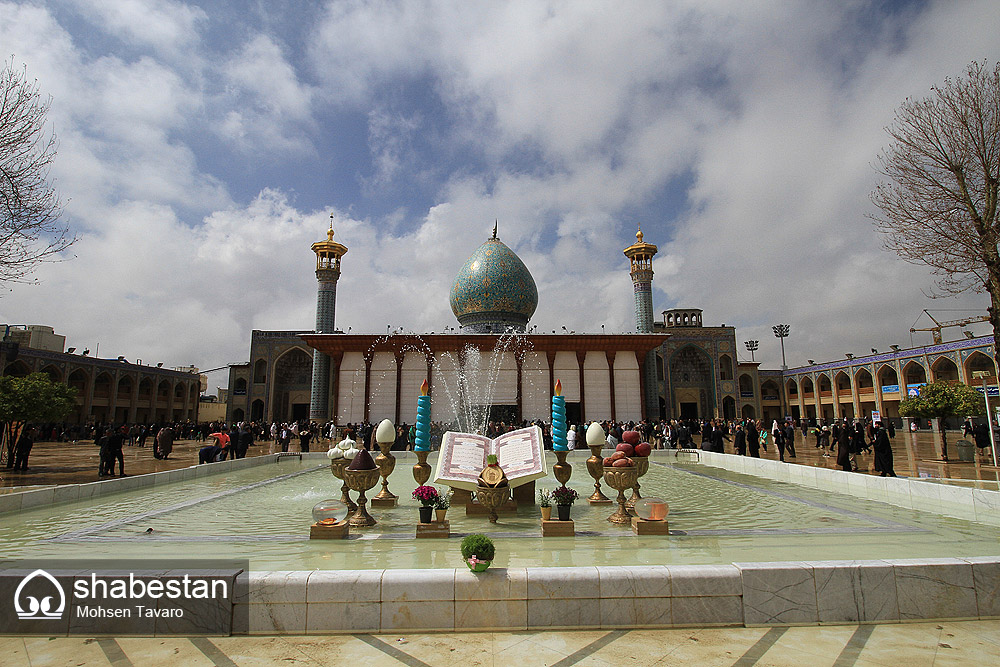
x: 843, y: 383
x: 864, y: 380
x: 729, y: 408
x: 78, y: 380
x: 54, y: 373
x: 769, y: 390
x: 807, y: 385
x: 825, y: 386
x: 102, y: 386
x: 887, y: 376
x: 257, y: 410
x: 692, y: 383
x: 746, y: 386
x: 238, y: 415
x: 145, y: 389
x: 945, y: 369
x: 260, y: 371
x: 725, y: 367
x: 163, y: 391
x: 914, y: 373
x: 124, y: 387
x: 179, y: 391
x: 792, y: 388
x: 18, y: 369
x: 748, y: 412
x: 291, y: 381
x: 240, y: 386
x: 978, y: 361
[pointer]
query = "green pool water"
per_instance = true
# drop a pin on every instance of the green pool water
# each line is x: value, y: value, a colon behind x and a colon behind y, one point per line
x: 263, y: 513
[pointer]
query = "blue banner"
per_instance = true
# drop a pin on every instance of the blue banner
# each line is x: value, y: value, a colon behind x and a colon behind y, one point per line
x: 889, y: 388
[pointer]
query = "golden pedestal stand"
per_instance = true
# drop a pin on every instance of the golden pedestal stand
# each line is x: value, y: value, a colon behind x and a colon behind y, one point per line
x: 386, y: 463
x: 621, y: 479
x: 491, y: 499
x: 595, y: 466
x: 421, y: 469
x: 361, y: 481
x: 337, y: 467
x: 642, y: 463
x: 562, y: 470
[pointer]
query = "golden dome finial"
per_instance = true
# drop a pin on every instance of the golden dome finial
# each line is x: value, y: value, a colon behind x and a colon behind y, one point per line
x: 638, y: 235
x: 329, y: 232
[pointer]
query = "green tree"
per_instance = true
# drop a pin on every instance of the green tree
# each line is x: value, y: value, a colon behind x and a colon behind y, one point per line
x: 940, y: 400
x: 34, y: 398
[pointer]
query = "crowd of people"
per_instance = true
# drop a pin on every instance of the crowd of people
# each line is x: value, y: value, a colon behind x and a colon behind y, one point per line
x: 843, y: 438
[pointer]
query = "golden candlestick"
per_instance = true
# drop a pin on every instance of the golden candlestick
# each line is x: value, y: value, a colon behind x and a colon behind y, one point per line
x: 386, y: 463
x: 642, y: 463
x: 595, y: 466
x: 562, y: 470
x: 620, y: 479
x: 361, y: 481
x: 337, y: 467
x: 421, y: 469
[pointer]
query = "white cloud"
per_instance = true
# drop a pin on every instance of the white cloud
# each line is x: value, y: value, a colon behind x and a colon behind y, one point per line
x: 569, y: 122
x: 165, y: 25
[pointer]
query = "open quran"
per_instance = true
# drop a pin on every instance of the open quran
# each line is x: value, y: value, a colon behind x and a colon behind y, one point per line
x: 463, y: 457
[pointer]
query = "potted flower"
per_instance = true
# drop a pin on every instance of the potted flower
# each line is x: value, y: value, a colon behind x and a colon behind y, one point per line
x: 477, y: 552
x: 427, y: 495
x: 441, y: 506
x: 563, y: 498
x: 545, y: 503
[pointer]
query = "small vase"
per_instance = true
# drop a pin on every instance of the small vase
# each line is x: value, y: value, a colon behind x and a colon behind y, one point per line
x: 563, y: 511
x: 546, y: 513
x: 426, y: 512
x: 440, y: 515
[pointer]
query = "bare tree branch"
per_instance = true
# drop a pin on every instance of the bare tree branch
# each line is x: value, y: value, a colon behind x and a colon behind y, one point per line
x: 29, y: 207
x: 938, y: 205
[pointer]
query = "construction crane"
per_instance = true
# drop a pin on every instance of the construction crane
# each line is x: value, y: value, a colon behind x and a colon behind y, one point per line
x: 936, y: 330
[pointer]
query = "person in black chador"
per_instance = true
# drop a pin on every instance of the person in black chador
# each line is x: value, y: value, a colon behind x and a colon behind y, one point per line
x: 844, y: 448
x: 23, y: 449
x: 883, y: 451
x: 740, y: 441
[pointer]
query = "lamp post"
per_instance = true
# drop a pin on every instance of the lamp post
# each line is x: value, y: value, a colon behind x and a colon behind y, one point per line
x: 781, y: 332
x: 752, y: 346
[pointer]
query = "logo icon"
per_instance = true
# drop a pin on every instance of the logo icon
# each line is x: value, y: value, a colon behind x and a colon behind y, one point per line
x: 30, y: 606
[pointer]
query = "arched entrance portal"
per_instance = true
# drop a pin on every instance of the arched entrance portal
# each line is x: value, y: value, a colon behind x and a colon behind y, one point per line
x: 292, y: 384
x: 691, y: 384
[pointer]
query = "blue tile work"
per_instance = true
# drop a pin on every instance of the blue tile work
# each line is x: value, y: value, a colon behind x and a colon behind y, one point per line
x: 494, y: 290
x: 871, y: 362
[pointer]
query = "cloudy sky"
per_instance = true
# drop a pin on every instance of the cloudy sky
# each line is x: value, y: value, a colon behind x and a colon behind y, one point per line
x: 204, y: 145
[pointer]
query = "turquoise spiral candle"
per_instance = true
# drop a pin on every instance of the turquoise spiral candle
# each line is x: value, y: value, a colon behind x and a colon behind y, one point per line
x: 559, y: 420
x: 422, y: 439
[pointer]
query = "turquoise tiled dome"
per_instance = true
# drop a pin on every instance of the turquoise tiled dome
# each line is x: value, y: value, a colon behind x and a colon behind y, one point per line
x: 494, y: 291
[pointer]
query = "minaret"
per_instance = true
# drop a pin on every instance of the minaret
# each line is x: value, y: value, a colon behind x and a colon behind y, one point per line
x: 328, y: 254
x: 640, y: 255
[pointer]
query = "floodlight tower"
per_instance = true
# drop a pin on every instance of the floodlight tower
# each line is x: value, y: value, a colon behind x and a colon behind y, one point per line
x: 328, y: 254
x: 640, y: 255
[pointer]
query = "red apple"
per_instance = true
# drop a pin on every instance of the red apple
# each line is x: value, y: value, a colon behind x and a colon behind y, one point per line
x: 608, y: 461
x: 621, y: 463
x: 617, y: 455
x: 625, y: 448
x: 631, y: 437
x: 643, y: 449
